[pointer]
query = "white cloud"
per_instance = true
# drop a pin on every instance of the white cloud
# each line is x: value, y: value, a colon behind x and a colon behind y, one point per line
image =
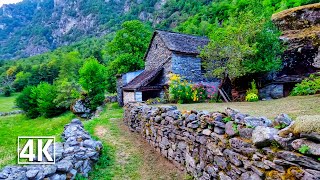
x: 8, y: 2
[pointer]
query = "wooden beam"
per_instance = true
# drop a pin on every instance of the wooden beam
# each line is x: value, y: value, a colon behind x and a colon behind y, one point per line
x: 223, y: 95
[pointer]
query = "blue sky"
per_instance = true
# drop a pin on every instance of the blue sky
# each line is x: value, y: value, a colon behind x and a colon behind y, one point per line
x: 8, y: 2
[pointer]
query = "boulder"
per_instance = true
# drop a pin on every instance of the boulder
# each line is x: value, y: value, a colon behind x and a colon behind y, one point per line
x: 194, y: 124
x: 231, y: 128
x: 263, y: 136
x: 223, y: 176
x: 250, y: 176
x: 257, y: 121
x: 245, y: 132
x: 300, y: 28
x: 298, y: 159
x: 31, y: 174
x: 80, y: 108
x: 283, y: 119
x: 64, y: 166
x: 312, y: 136
x: 206, y: 132
x: 314, y: 148
x: 273, y: 91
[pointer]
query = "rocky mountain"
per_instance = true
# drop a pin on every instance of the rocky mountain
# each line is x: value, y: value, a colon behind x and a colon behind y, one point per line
x: 32, y: 27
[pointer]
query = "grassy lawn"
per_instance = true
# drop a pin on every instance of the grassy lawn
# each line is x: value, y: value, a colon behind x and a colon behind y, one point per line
x: 7, y: 103
x: 294, y: 106
x: 19, y: 125
x: 126, y: 155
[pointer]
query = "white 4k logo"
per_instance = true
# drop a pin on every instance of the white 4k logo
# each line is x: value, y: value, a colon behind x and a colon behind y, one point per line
x: 29, y: 147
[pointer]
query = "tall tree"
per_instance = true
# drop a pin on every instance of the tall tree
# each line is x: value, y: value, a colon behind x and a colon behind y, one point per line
x: 93, y: 81
x: 127, y: 49
x: 239, y: 46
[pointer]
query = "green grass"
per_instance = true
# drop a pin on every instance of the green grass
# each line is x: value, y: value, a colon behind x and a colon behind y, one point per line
x: 107, y: 167
x: 7, y: 104
x: 19, y: 125
x: 294, y: 106
x: 126, y: 155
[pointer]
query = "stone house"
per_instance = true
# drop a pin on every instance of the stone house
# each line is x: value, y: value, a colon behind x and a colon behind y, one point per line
x: 168, y: 52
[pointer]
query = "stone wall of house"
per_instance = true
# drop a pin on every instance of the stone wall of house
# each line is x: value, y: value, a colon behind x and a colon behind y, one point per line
x: 187, y: 66
x: 76, y: 155
x: 157, y: 54
x: 228, y: 145
x: 128, y: 97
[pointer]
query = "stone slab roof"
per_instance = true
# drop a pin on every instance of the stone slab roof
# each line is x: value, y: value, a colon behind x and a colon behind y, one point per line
x: 182, y: 43
x: 143, y: 79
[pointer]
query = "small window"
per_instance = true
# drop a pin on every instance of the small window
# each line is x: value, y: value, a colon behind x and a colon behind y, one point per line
x: 156, y: 46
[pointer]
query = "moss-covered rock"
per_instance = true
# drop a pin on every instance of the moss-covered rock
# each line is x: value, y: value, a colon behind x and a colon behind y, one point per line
x: 300, y: 28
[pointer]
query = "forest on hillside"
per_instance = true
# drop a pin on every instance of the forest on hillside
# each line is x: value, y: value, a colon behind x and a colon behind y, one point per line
x: 244, y: 26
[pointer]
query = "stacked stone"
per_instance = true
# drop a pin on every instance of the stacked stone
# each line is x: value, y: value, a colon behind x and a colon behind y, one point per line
x: 228, y: 145
x: 111, y: 99
x: 11, y: 113
x: 76, y: 155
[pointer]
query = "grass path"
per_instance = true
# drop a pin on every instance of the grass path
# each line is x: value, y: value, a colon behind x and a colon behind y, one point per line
x: 126, y: 154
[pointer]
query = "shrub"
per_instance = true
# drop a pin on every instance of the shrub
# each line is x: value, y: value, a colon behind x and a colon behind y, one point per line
x: 199, y: 92
x: 93, y: 80
x: 27, y: 101
x: 46, y: 94
x: 184, y: 92
x: 39, y: 100
x: 253, y: 88
x: 252, y: 97
x: 68, y: 92
x: 252, y: 93
x: 7, y: 91
x: 179, y: 91
x: 308, y: 86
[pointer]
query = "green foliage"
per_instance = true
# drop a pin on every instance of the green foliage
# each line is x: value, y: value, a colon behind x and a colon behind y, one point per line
x: 226, y: 119
x: 204, y: 19
x: 22, y: 80
x: 93, y: 81
x: 280, y: 126
x: 126, y: 50
x: 68, y: 92
x: 235, y: 128
x: 27, y: 101
x: 308, y: 86
x: 46, y: 94
x: 252, y: 93
x: 253, y: 89
x: 235, y: 48
x: 39, y: 101
x: 304, y: 149
x: 181, y: 91
x: 7, y: 91
x: 252, y: 97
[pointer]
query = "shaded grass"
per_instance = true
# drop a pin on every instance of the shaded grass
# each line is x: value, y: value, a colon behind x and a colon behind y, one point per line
x: 108, y: 167
x: 126, y: 155
x: 19, y: 125
x: 7, y: 104
x: 294, y: 106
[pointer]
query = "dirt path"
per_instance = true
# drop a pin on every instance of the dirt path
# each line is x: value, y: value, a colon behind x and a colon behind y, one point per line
x: 135, y: 159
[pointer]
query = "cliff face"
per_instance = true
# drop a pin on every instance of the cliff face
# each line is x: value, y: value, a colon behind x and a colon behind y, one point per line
x: 301, y: 33
x: 36, y: 26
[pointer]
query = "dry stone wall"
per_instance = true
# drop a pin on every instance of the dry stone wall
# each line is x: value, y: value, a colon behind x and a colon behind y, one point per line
x: 228, y: 145
x: 76, y: 155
